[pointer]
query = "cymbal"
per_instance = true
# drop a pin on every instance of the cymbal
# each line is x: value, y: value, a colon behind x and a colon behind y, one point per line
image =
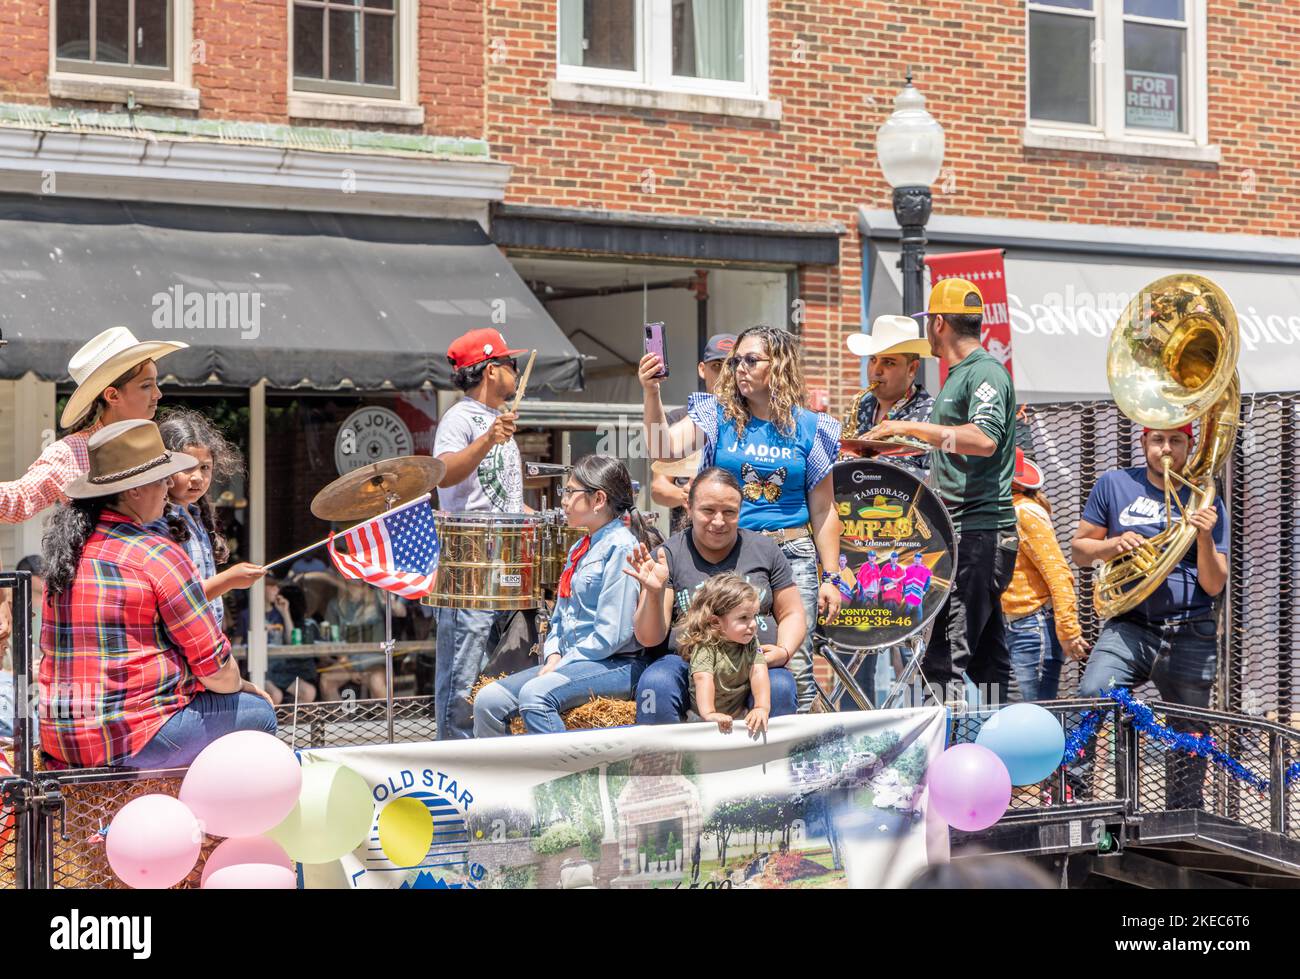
x: 365, y: 492
x: 674, y: 468
x: 884, y: 447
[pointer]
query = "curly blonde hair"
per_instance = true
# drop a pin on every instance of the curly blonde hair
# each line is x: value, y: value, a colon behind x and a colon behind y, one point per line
x: 785, y: 380
x: 715, y: 598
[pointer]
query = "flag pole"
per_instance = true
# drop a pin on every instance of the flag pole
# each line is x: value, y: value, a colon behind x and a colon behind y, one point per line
x: 326, y: 540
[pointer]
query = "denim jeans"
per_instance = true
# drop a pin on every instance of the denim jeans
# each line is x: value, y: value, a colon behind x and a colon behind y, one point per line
x: 969, y: 635
x: 802, y: 555
x: 1036, y: 655
x: 539, y: 700
x: 200, y: 722
x: 1179, y: 657
x: 663, y: 693
x: 466, y: 640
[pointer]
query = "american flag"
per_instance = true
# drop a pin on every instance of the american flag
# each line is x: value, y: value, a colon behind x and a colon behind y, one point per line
x: 396, y: 551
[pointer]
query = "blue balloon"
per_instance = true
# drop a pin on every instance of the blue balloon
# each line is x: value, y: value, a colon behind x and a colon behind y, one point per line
x: 1028, y: 739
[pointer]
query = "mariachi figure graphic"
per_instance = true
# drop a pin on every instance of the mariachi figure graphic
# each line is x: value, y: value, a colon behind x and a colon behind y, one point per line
x: 847, y: 584
x: 891, y: 583
x: 916, y: 582
x: 869, y: 580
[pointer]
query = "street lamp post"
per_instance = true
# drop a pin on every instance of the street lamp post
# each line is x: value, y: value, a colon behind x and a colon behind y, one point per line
x: 909, y: 148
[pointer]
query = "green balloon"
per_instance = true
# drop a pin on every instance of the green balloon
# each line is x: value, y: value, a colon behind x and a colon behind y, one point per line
x: 332, y: 818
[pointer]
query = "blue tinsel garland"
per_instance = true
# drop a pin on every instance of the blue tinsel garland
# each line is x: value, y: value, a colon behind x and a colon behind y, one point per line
x: 1144, y: 719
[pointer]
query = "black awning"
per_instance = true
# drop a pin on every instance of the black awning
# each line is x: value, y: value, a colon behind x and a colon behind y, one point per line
x: 297, y: 298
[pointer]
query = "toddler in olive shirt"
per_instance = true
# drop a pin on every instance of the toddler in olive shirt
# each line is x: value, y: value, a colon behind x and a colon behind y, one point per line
x: 719, y: 639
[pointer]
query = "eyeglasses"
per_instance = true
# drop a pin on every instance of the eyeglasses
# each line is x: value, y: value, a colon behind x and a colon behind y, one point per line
x: 749, y: 361
x: 571, y: 490
x: 510, y: 362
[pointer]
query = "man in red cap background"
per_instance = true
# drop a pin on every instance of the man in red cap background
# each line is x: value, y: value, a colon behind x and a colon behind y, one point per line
x: 475, y: 439
x: 1171, y: 638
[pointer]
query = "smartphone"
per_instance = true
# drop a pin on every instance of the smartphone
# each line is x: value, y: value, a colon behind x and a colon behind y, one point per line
x: 654, y: 344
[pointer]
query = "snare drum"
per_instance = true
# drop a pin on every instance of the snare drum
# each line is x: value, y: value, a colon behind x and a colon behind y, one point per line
x: 489, y: 561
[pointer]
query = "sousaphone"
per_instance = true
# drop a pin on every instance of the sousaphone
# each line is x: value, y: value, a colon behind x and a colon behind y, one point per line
x: 1173, y: 360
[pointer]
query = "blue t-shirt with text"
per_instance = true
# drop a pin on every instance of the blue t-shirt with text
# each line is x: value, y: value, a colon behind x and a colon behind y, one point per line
x: 1123, y: 500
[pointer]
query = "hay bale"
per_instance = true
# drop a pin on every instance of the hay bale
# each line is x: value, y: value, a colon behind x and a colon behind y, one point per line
x: 598, y: 712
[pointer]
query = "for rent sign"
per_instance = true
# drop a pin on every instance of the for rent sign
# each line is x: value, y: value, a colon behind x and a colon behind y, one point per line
x: 1151, y: 100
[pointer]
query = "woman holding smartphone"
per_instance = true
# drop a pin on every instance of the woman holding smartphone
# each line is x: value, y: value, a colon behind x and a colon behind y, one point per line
x: 757, y: 428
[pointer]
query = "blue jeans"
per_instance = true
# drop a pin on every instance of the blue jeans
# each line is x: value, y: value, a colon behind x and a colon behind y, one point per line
x: 1179, y: 657
x: 802, y: 555
x: 663, y: 693
x: 200, y: 722
x: 540, y: 699
x: 1036, y: 656
x: 466, y: 639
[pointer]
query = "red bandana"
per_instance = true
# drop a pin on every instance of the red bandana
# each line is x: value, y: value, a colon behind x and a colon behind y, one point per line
x: 566, y: 576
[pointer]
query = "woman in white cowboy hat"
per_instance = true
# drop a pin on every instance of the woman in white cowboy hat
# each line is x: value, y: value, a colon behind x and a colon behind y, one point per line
x: 116, y: 381
x: 135, y: 671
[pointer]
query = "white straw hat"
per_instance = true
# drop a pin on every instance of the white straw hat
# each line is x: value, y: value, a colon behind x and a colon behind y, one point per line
x: 104, y: 359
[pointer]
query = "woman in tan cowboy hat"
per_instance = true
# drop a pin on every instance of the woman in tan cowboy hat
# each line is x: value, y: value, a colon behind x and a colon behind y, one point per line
x: 116, y: 381
x: 135, y: 671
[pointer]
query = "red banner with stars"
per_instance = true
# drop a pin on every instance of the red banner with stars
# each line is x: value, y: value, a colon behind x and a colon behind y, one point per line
x: 985, y: 269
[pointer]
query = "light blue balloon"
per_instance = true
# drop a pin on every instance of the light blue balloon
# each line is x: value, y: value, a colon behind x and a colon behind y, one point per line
x: 1028, y: 739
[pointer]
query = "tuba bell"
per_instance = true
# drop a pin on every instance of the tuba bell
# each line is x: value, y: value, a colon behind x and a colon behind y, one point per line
x: 1172, y: 360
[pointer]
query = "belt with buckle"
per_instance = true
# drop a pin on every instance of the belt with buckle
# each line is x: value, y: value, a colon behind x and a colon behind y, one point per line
x: 787, y: 535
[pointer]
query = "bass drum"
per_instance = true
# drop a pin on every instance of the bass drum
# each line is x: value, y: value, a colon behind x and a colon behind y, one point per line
x: 898, y: 555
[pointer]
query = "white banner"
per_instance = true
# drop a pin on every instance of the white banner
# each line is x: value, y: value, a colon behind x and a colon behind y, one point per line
x: 826, y: 800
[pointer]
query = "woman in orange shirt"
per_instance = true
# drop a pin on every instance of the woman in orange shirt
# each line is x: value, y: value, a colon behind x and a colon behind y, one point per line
x: 1039, y: 605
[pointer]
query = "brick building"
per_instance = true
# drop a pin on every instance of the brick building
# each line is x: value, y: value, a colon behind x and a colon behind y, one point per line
x: 1153, y: 143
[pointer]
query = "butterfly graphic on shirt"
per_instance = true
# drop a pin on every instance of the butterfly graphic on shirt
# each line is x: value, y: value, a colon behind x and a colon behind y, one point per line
x: 758, y: 487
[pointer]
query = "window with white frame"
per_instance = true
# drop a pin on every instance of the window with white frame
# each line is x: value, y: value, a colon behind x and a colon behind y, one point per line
x: 130, y: 38
x: 712, y: 47
x: 1118, y: 69
x: 347, y: 47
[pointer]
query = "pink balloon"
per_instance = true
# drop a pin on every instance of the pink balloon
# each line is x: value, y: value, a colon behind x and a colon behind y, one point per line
x: 242, y: 784
x: 251, y: 877
x: 245, y: 849
x: 153, y: 842
x: 969, y: 787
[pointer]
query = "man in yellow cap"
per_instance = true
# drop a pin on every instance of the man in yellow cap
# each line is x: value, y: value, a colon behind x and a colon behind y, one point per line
x: 973, y: 427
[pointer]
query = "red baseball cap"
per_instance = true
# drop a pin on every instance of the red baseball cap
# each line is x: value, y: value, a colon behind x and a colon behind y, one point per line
x: 1185, y: 429
x: 1027, y: 475
x: 477, y: 346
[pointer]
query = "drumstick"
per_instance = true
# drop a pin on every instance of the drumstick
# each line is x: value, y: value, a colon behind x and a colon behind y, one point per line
x: 523, y: 382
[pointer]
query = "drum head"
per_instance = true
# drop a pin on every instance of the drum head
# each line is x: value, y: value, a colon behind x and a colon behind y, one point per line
x: 897, y: 555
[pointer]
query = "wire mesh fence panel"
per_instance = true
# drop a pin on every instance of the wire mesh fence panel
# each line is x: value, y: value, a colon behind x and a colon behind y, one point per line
x: 1076, y: 442
x: 80, y: 860
x: 1096, y: 783
x: 340, y: 723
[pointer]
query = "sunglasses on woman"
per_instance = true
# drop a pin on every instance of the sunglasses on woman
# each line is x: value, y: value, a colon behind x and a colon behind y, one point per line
x: 748, y: 361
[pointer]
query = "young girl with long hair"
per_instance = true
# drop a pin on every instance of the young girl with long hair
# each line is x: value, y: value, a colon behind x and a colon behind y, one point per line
x: 188, y: 518
x: 591, y: 649
x: 719, y: 639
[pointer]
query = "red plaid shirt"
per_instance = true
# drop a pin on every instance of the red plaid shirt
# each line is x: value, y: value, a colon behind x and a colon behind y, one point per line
x: 43, y: 484
x: 123, y: 646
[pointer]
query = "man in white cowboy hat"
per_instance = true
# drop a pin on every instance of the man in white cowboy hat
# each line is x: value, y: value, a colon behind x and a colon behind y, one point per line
x: 116, y: 381
x: 135, y: 671
x: 893, y: 349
